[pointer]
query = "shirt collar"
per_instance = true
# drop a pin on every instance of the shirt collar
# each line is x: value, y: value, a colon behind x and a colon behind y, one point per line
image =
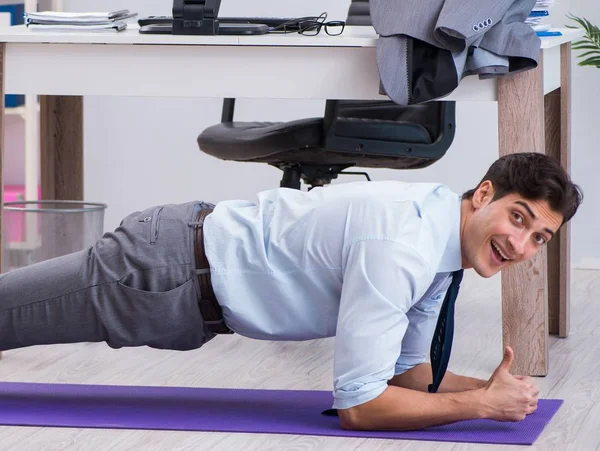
x: 452, y: 259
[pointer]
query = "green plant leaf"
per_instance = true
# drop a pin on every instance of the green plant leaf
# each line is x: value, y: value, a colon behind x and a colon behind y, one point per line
x: 591, y: 52
x: 585, y: 47
x: 591, y: 62
x: 590, y: 43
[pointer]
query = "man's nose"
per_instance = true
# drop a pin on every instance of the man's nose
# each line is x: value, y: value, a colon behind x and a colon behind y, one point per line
x: 518, y: 243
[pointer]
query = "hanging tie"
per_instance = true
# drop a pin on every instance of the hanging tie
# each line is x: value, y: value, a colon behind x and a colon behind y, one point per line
x: 441, y: 344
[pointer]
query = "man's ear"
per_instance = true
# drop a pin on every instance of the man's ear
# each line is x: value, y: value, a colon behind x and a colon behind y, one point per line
x: 483, y: 194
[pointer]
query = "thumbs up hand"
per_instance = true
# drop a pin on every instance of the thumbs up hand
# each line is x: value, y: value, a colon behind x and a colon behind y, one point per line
x: 507, y: 360
x: 507, y: 397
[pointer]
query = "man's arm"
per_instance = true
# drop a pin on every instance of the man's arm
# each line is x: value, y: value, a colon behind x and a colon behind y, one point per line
x: 416, y: 344
x: 504, y: 398
x: 380, y: 280
x: 403, y: 409
x: 419, y: 377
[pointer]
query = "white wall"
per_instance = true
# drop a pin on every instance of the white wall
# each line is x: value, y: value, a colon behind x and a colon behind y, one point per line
x: 141, y: 152
x: 585, y: 138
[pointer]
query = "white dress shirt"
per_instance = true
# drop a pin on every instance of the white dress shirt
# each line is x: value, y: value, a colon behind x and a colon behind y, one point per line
x: 367, y: 262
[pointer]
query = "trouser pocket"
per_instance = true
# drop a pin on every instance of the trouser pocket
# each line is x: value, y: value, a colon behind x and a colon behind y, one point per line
x: 163, y: 320
x: 154, y: 224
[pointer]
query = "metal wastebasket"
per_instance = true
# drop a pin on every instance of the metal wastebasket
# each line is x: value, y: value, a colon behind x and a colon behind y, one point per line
x: 38, y: 230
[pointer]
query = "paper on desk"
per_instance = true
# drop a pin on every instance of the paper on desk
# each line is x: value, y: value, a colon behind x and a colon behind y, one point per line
x: 113, y: 26
x: 70, y: 22
x: 542, y: 27
x: 69, y: 18
x: 540, y: 11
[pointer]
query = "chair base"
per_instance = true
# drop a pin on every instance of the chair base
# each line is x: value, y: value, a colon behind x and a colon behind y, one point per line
x: 312, y: 175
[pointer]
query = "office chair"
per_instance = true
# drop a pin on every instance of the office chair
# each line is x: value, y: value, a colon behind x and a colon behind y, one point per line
x: 365, y: 134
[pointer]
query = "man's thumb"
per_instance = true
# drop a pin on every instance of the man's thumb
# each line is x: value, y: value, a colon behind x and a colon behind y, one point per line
x: 507, y: 360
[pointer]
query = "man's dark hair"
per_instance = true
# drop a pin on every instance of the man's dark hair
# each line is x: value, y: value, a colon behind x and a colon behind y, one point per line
x: 534, y: 176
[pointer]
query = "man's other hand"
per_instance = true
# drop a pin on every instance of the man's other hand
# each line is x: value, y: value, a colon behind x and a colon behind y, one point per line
x: 507, y: 397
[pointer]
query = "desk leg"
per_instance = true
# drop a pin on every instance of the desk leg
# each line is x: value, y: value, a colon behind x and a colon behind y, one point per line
x: 558, y: 144
x: 61, y: 137
x: 2, y: 61
x: 524, y: 286
x: 61, y: 168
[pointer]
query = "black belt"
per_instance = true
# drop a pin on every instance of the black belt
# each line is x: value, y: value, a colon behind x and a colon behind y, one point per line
x: 209, y: 306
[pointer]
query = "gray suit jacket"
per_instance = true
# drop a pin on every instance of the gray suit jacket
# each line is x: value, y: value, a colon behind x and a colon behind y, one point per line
x: 426, y: 47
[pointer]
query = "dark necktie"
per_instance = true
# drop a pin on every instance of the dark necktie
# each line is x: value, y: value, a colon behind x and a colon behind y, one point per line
x: 441, y: 345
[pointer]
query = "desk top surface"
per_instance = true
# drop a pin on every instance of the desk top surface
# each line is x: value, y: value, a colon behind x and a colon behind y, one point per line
x: 354, y: 36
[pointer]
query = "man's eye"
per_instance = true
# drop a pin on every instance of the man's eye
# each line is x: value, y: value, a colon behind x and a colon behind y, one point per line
x: 540, y: 240
x: 517, y: 217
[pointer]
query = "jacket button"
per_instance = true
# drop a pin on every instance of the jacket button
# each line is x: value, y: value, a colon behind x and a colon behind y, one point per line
x: 475, y: 28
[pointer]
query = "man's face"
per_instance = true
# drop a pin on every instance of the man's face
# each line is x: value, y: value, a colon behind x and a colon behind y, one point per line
x: 504, y: 232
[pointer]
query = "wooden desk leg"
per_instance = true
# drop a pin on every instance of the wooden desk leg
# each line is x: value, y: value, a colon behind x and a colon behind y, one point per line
x: 61, y: 137
x: 2, y: 60
x: 558, y: 144
x: 524, y: 286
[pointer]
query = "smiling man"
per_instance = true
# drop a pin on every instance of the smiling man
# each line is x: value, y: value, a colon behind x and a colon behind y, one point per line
x: 376, y: 264
x: 512, y: 213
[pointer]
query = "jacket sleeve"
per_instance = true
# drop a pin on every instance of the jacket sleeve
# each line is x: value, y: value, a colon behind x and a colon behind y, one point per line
x: 514, y: 39
x: 462, y: 22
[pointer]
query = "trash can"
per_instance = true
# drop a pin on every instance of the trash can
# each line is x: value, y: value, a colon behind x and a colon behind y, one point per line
x: 38, y: 230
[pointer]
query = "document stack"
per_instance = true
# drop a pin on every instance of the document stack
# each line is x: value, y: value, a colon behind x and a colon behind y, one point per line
x: 65, y: 21
x: 540, y: 11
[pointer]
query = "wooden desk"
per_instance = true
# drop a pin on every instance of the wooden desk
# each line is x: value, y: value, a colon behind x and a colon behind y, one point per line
x: 534, y: 114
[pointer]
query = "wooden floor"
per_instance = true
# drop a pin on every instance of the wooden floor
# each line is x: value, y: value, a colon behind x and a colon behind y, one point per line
x: 236, y: 362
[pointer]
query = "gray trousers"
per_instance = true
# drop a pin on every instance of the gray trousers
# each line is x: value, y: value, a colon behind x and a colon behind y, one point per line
x: 136, y: 286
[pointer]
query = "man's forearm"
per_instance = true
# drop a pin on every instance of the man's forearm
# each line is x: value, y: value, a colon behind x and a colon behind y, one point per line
x: 403, y: 409
x: 419, y: 378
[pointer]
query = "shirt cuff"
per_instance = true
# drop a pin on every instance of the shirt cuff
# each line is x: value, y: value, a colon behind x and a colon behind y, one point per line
x: 405, y: 365
x: 345, y: 399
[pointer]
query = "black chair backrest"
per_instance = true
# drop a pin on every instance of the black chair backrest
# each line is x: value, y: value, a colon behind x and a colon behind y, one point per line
x: 359, y: 13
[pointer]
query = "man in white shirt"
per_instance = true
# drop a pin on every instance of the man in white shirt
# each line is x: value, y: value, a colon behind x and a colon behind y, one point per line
x: 369, y: 263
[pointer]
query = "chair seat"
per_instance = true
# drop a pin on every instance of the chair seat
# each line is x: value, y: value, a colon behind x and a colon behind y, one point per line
x: 301, y: 140
x: 259, y: 141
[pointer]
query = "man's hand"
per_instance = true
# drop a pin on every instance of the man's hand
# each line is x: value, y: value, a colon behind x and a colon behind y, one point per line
x: 406, y: 405
x: 507, y: 397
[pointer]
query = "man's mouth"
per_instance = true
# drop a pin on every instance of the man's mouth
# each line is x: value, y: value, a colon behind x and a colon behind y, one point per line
x: 498, y: 253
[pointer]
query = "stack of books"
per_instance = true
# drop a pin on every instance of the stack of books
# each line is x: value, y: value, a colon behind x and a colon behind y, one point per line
x: 538, y: 17
x: 93, y: 21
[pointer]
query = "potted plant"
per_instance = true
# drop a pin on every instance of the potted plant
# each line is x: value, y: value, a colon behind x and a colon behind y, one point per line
x: 590, y: 43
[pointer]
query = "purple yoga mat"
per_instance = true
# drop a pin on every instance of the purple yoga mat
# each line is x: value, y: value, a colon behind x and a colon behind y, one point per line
x: 227, y: 410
